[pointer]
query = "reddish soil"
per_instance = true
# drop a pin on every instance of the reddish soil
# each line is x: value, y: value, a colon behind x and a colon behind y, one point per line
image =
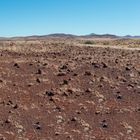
x: 70, y: 93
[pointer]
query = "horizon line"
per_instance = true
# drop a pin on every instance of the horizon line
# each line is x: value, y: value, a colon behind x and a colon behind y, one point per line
x: 57, y: 33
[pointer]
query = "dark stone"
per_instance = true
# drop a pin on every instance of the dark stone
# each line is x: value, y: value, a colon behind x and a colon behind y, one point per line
x: 30, y: 64
x: 16, y: 106
x: 127, y: 69
x: 116, y: 61
x: 39, y: 71
x: 7, y: 121
x: 104, y: 65
x: 130, y: 85
x: 96, y: 65
x: 119, y: 97
x: 70, y: 91
x: 87, y: 91
x: 49, y: 93
x: 38, y: 126
x: 73, y: 119
x: 16, y: 65
x: 61, y: 74
x: 65, y: 94
x: 104, y: 124
x: 75, y: 74
x: 57, y: 134
x: 97, y: 113
x: 51, y: 99
x: 58, y: 108
x: 9, y: 102
x: 65, y: 82
x: 45, y: 64
x: 64, y: 67
x: 29, y: 85
x: 38, y: 81
x: 87, y: 73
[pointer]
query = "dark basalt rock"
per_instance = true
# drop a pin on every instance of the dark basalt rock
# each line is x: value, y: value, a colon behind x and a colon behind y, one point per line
x: 39, y: 71
x: 16, y: 65
x: 49, y: 93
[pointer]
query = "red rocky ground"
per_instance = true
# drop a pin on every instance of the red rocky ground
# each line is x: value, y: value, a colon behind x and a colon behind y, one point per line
x: 64, y: 92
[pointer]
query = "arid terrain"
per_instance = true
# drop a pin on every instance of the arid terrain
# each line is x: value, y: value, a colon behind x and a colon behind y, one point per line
x: 70, y: 89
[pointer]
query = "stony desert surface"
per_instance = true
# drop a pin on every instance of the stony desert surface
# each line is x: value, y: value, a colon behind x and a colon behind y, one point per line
x: 65, y: 89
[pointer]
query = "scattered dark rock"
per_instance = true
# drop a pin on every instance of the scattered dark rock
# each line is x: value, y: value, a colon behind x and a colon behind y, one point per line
x: 87, y: 73
x: 87, y: 91
x: 100, y: 85
x: 97, y: 112
x: 58, y: 108
x: 64, y: 67
x: 7, y: 121
x: 49, y: 93
x: 65, y: 82
x: 77, y: 109
x: 70, y: 91
x: 65, y: 94
x: 104, y: 65
x: 14, y: 85
x: 68, y: 70
x: 38, y: 81
x: 51, y: 99
x: 61, y: 74
x: 104, y: 124
x: 116, y: 61
x: 57, y: 133
x: 37, y: 126
x: 45, y: 64
x: 119, y: 97
x: 96, y: 65
x: 16, y: 106
x: 29, y: 85
x: 130, y: 85
x: 75, y: 74
x: 30, y: 64
x: 16, y: 65
x: 9, y: 102
x: 74, y: 119
x: 39, y: 71
x: 127, y: 69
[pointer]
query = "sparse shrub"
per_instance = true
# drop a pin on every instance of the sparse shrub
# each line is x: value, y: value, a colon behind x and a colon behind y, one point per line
x: 106, y: 43
x: 89, y: 42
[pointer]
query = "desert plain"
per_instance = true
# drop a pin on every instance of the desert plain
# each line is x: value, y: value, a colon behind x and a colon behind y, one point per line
x: 70, y: 89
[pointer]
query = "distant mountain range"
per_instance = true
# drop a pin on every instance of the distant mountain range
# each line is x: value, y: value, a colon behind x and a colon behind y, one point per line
x: 62, y: 35
x: 109, y: 36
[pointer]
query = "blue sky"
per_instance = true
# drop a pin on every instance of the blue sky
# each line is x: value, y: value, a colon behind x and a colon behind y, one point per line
x: 39, y: 17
